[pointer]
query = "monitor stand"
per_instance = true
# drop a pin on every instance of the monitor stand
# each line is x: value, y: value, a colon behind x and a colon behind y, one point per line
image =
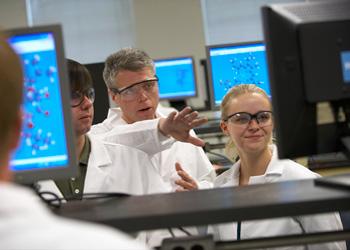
x: 178, y: 104
x: 338, y: 181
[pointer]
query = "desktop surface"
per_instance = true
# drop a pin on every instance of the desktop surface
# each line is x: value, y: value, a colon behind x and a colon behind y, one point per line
x: 211, y: 206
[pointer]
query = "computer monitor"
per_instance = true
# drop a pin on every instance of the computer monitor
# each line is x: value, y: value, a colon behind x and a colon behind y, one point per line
x: 233, y: 64
x: 308, y: 48
x: 46, y: 147
x: 101, y: 103
x: 177, y: 80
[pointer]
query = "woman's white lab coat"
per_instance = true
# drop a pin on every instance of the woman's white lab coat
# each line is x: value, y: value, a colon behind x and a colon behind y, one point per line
x: 117, y: 168
x: 277, y: 170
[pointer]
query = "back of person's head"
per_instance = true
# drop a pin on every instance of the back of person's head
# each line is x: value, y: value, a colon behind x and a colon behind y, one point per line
x: 79, y: 77
x: 233, y: 93
x: 11, y: 87
x: 130, y: 59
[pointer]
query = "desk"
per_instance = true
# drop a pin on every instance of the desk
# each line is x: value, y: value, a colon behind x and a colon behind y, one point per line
x: 211, y: 206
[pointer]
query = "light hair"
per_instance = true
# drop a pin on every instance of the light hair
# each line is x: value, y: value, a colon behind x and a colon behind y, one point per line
x: 131, y: 59
x: 11, y: 87
x: 234, y: 92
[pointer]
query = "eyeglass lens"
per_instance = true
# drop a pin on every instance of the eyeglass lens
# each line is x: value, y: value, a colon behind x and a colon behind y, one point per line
x: 132, y: 92
x: 243, y: 118
x: 78, y: 97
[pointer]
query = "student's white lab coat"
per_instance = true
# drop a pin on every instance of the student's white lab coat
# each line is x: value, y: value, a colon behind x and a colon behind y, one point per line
x: 277, y: 170
x: 27, y: 224
x: 192, y: 158
x: 117, y: 168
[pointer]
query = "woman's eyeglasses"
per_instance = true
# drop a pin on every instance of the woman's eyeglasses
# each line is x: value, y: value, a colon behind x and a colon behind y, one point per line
x: 263, y: 118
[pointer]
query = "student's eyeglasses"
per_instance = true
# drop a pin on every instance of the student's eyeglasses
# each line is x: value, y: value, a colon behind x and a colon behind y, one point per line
x: 263, y: 118
x: 131, y: 92
x: 78, y: 97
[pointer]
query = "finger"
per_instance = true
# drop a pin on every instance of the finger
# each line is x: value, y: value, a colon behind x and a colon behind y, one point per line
x: 195, y: 141
x: 185, y: 185
x: 183, y: 113
x: 178, y: 167
x: 171, y: 116
x: 191, y: 116
x: 186, y: 177
x: 180, y: 189
x: 199, y: 121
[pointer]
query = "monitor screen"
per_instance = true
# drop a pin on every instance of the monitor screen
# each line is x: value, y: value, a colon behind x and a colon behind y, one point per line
x: 305, y: 74
x: 46, y: 144
x: 232, y: 64
x: 177, y: 78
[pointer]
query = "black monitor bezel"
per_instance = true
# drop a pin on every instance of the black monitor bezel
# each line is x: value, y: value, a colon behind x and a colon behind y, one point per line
x: 297, y: 127
x: 71, y: 169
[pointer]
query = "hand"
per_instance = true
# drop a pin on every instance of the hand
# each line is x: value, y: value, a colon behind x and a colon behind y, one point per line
x: 179, y: 124
x: 186, y: 182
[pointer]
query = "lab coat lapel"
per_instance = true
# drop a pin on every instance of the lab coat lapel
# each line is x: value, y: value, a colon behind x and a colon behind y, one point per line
x: 98, y: 165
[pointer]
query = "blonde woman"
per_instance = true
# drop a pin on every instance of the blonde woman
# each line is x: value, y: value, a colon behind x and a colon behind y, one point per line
x: 247, y: 119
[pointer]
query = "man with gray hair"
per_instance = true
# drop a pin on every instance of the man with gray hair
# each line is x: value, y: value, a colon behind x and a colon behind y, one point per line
x: 133, y: 86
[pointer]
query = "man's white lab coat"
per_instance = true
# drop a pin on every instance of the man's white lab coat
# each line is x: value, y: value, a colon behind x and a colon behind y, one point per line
x: 192, y: 158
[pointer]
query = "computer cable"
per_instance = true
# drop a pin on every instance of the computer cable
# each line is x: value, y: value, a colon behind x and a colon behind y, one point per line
x: 185, y: 231
x: 53, y: 200
x: 171, y: 232
x: 302, y: 229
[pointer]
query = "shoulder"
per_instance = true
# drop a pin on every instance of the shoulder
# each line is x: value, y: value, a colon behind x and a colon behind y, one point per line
x: 293, y: 170
x: 288, y: 169
x: 114, y: 115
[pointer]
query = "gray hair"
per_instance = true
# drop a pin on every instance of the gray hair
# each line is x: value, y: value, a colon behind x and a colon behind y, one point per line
x: 131, y: 59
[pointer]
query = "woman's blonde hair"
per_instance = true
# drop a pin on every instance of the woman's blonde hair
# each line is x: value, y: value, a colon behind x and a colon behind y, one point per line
x: 234, y: 92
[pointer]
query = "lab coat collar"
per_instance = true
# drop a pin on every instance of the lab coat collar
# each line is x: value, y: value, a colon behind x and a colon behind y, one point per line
x: 100, y: 157
x: 274, y: 168
x: 231, y: 176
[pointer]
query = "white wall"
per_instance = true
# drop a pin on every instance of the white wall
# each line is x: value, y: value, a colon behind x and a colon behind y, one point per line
x: 166, y: 28
x: 91, y: 29
x: 13, y: 14
x: 232, y: 21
